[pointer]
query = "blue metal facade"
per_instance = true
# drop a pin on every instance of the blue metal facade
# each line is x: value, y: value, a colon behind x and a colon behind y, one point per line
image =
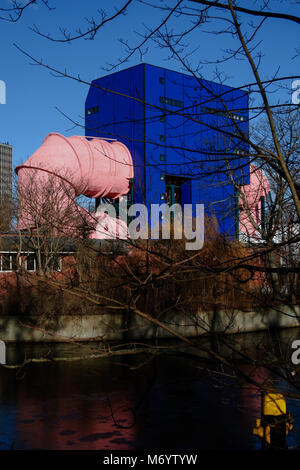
x: 179, y: 134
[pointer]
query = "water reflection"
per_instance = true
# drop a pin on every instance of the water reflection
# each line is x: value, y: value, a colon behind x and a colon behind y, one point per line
x: 60, y: 406
x: 170, y: 403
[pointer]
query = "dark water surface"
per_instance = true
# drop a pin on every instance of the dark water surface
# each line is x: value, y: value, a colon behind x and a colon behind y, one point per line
x: 171, y: 402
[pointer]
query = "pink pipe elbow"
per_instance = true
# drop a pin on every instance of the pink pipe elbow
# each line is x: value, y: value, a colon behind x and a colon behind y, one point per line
x: 89, y: 166
x: 95, y: 168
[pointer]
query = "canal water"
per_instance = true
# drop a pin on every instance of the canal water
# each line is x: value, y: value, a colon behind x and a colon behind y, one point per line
x: 131, y: 403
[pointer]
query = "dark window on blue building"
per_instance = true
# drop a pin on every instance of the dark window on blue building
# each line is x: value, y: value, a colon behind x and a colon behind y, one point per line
x: 221, y: 112
x: 161, y: 80
x: 162, y: 118
x: 162, y: 157
x: 93, y: 110
x: 174, y: 185
x: 162, y: 138
x: 171, y: 101
x: 239, y: 152
x: 130, y: 194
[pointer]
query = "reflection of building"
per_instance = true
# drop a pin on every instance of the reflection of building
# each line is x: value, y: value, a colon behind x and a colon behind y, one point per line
x: 69, y: 409
x: 182, y: 134
x: 5, y: 170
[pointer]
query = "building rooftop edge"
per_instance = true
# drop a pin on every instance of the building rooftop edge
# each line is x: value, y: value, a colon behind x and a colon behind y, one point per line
x: 6, y: 144
x: 169, y: 70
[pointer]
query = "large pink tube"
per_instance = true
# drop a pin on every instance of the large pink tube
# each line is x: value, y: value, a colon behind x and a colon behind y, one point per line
x: 74, y: 165
x: 250, y: 203
x: 95, y: 168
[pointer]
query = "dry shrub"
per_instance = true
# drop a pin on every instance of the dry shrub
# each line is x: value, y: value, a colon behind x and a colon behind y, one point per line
x: 155, y: 276
x: 161, y: 275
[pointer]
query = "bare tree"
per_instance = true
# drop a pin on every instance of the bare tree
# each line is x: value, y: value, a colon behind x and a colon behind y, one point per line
x: 159, y: 278
x: 48, y: 217
x: 6, y: 214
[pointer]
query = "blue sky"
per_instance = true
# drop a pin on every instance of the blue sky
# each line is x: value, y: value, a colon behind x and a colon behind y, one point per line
x: 33, y: 93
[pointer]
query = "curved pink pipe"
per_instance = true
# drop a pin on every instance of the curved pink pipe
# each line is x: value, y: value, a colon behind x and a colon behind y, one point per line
x: 258, y: 187
x: 95, y: 168
x: 74, y: 165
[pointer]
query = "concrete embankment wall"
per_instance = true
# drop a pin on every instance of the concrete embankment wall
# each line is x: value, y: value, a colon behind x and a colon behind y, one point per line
x: 119, y: 326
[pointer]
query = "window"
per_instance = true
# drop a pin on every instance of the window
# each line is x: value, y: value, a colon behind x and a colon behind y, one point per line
x: 8, y: 262
x: 14, y: 262
x: 239, y: 152
x: 161, y: 80
x: 171, y: 102
x: 174, y: 187
x: 162, y: 118
x: 162, y: 138
x: 30, y: 262
x: 5, y: 263
x: 53, y: 263
x: 221, y: 112
x: 93, y: 110
x: 239, y: 118
x: 162, y: 157
x: 130, y: 194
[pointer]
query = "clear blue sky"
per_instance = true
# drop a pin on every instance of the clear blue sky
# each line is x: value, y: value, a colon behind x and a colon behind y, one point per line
x: 33, y: 93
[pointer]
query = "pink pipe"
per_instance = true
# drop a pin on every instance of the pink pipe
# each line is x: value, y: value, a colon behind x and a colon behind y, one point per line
x: 73, y: 166
x: 258, y: 187
x: 95, y: 168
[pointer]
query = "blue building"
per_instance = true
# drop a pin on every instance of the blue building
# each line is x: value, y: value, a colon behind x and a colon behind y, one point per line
x: 183, y: 135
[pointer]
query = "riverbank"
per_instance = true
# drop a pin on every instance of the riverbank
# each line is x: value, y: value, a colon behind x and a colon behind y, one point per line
x: 120, y: 326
